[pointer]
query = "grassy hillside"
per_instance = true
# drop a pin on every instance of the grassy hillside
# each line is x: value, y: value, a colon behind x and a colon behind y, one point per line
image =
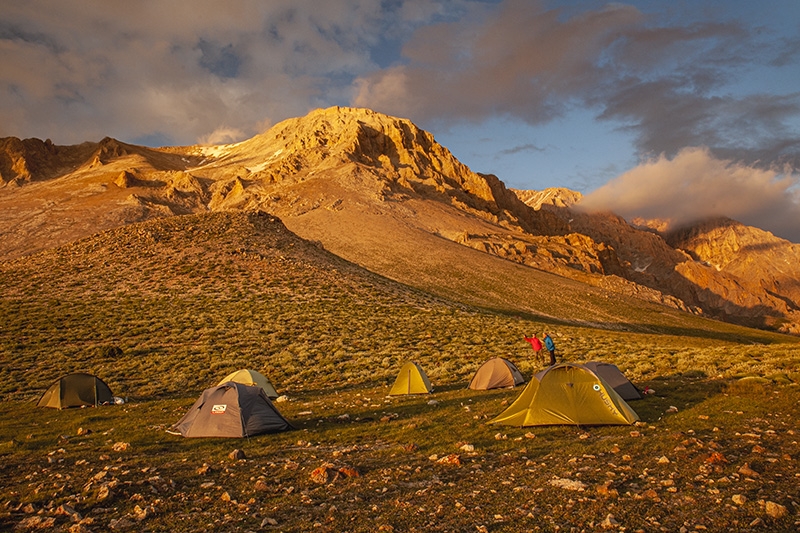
x: 189, y: 299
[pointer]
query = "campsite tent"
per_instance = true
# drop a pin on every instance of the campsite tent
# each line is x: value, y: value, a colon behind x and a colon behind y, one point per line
x: 614, y: 377
x: 251, y: 377
x: 411, y: 380
x: 76, y: 390
x: 231, y: 410
x: 496, y: 373
x: 567, y: 394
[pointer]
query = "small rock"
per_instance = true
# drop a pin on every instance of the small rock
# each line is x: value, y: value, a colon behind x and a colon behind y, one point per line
x: 672, y: 409
x: 103, y: 492
x: 433, y: 402
x: 568, y: 484
x: 68, y: 510
x: 467, y: 448
x: 716, y: 458
x: 324, y: 474
x: 663, y: 460
x: 83, y: 431
x: 203, y: 470
x: 282, y: 398
x: 226, y: 497
x: 236, y: 455
x: 121, y: 446
x: 530, y: 435
x: 261, y: 485
x: 739, y: 499
x: 140, y: 513
x: 348, y: 471
x: 500, y: 436
x: 775, y: 510
x: 606, y: 490
x: 745, y: 470
x: 269, y: 522
x: 452, y: 459
x: 609, y: 523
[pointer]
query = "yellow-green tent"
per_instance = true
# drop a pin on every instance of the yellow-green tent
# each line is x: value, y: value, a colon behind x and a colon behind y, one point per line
x: 251, y: 377
x: 411, y: 380
x: 570, y: 394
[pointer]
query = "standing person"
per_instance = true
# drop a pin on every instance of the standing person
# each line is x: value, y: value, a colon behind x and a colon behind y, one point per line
x: 551, y: 347
x: 536, y: 344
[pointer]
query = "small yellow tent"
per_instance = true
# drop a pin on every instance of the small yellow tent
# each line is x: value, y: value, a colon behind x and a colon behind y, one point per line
x: 567, y: 394
x: 251, y: 377
x: 411, y: 380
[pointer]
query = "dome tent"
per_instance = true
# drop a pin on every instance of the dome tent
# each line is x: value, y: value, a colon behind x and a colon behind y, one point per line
x: 614, y: 377
x: 251, y: 377
x: 496, y: 373
x: 570, y: 394
x: 411, y: 380
x: 76, y: 390
x: 231, y: 410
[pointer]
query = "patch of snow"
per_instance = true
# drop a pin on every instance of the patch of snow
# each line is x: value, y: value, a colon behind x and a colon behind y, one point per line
x: 265, y: 164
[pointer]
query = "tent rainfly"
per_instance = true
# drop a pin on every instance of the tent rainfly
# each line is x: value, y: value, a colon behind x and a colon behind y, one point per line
x: 252, y: 378
x: 496, y: 373
x: 231, y: 410
x: 76, y: 390
x: 411, y: 380
x: 614, y: 377
x: 567, y: 394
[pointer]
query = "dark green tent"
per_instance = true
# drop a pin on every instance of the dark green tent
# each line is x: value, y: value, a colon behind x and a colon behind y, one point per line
x: 76, y: 390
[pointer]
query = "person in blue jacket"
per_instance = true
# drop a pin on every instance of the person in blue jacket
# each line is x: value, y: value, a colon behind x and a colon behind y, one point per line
x: 551, y: 347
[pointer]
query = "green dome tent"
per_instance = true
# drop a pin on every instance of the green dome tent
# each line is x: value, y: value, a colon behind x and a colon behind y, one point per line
x: 567, y: 394
x: 76, y: 390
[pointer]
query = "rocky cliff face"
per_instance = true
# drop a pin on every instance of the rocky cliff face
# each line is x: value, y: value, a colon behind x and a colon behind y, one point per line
x: 379, y: 191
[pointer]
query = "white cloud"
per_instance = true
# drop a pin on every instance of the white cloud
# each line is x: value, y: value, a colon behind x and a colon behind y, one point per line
x: 694, y: 185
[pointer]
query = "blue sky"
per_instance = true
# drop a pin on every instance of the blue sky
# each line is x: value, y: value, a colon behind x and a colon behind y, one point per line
x: 610, y: 99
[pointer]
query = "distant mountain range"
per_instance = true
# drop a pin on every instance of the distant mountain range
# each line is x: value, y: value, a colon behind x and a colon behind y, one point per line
x: 381, y: 193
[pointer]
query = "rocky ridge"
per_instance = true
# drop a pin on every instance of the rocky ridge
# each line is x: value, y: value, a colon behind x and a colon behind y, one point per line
x: 382, y: 193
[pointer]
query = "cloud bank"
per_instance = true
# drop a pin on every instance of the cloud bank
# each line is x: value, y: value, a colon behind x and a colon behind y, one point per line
x: 671, y: 76
x: 694, y: 185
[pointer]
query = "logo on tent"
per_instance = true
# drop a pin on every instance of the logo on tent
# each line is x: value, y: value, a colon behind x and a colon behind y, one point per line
x: 219, y: 409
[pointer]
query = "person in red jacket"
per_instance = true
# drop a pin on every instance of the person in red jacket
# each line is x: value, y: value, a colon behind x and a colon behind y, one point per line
x: 536, y: 344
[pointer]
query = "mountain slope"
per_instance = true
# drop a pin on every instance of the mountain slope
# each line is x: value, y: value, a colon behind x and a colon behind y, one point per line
x: 379, y: 192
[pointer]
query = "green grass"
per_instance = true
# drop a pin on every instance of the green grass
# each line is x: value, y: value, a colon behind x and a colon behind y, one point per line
x: 503, y: 484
